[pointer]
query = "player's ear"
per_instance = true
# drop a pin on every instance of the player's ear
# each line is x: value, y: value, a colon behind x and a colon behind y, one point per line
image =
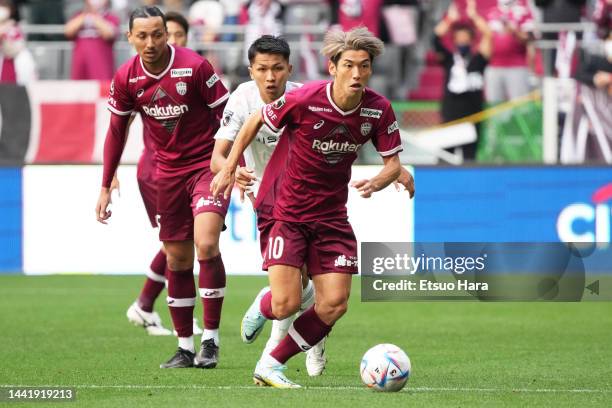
x: 128, y: 34
x: 290, y: 69
x: 331, y: 67
x: 251, y: 72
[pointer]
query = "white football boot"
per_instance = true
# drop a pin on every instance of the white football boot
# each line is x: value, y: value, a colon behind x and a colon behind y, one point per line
x: 316, y: 359
x: 150, y: 321
x: 253, y: 321
x: 269, y: 374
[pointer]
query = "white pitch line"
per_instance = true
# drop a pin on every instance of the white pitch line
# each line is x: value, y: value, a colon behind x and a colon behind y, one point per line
x: 326, y: 388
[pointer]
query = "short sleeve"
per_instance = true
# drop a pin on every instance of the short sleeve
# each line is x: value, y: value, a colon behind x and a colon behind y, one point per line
x: 387, y: 137
x: 211, y: 88
x: 279, y: 113
x: 234, y: 116
x: 119, y: 100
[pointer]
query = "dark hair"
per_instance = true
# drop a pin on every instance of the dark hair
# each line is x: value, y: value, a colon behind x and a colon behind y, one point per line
x: 179, y: 19
x: 146, y: 12
x: 463, y: 26
x: 269, y: 44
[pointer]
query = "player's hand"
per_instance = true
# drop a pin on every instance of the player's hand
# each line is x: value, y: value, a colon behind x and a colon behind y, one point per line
x: 453, y: 13
x: 405, y: 179
x: 102, y: 211
x: 365, y: 188
x: 223, y: 183
x: 245, y: 178
x: 115, y: 186
x: 470, y: 10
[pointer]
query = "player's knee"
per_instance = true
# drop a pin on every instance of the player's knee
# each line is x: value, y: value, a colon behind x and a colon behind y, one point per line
x: 331, y: 310
x: 179, y: 262
x: 207, y: 247
x: 285, y: 307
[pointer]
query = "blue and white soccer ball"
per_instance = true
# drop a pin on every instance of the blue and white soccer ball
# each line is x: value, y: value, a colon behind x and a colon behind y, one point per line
x: 385, y: 367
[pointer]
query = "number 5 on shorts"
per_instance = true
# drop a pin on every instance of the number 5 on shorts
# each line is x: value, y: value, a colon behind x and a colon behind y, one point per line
x: 275, y: 247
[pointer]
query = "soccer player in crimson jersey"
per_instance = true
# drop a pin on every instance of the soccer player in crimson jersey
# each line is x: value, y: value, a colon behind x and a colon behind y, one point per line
x: 141, y: 312
x: 325, y: 123
x: 270, y: 70
x: 180, y: 99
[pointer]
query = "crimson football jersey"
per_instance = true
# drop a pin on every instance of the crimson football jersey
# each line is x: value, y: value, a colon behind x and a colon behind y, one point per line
x: 180, y: 107
x: 323, y: 144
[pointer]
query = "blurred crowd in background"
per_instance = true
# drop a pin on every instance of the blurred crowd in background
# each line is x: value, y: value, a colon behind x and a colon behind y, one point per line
x: 462, y: 55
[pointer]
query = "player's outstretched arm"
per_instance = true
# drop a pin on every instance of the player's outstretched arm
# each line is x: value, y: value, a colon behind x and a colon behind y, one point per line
x: 224, y: 180
x: 113, y: 148
x: 389, y: 173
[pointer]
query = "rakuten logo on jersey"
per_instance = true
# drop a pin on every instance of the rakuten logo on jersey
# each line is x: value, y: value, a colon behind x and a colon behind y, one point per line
x: 586, y: 222
x: 165, y: 109
x: 336, y: 144
x: 165, y: 112
x: 334, y: 147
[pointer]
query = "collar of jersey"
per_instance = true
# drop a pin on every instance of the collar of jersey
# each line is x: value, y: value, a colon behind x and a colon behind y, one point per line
x: 165, y: 71
x: 329, y: 98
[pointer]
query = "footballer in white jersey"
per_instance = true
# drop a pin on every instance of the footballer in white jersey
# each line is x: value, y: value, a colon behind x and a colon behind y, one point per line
x: 245, y: 100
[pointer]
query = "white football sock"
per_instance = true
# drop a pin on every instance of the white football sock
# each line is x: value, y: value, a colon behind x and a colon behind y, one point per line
x: 211, y: 334
x: 308, y: 296
x: 186, y: 343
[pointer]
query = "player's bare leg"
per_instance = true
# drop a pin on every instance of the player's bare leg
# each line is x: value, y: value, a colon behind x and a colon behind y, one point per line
x: 207, y: 229
x: 331, y: 302
x: 141, y: 312
x: 282, y: 300
x: 315, y: 357
x: 181, y: 300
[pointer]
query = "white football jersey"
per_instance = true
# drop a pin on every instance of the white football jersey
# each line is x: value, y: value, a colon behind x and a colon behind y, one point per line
x: 241, y: 104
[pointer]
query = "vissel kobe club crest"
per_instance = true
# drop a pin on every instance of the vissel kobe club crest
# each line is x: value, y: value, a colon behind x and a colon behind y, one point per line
x: 181, y: 88
x: 366, y: 127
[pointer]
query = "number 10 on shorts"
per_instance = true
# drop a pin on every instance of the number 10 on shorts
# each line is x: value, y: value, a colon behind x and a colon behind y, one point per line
x: 275, y: 247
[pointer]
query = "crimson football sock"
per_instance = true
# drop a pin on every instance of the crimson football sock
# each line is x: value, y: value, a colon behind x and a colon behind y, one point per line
x: 181, y: 300
x: 305, y: 332
x: 154, y: 284
x: 265, y: 306
x: 212, y: 290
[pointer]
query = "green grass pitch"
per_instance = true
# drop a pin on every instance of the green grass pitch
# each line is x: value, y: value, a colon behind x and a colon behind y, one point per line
x: 72, y: 331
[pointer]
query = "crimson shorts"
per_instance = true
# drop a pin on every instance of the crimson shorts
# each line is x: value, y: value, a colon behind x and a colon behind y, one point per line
x: 147, y: 184
x: 324, y: 246
x: 264, y: 225
x: 182, y: 197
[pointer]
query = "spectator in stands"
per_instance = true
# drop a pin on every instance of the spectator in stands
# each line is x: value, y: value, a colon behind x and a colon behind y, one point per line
x: 507, y: 76
x: 464, y: 65
x: 602, y: 16
x: 16, y: 63
x: 353, y: 13
x: 94, y: 30
x: 264, y: 18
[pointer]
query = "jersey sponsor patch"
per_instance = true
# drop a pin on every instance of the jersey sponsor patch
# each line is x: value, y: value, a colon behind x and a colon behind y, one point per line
x: 212, y: 80
x: 319, y: 109
x: 392, y: 127
x: 136, y: 79
x: 181, y: 72
x: 370, y: 113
